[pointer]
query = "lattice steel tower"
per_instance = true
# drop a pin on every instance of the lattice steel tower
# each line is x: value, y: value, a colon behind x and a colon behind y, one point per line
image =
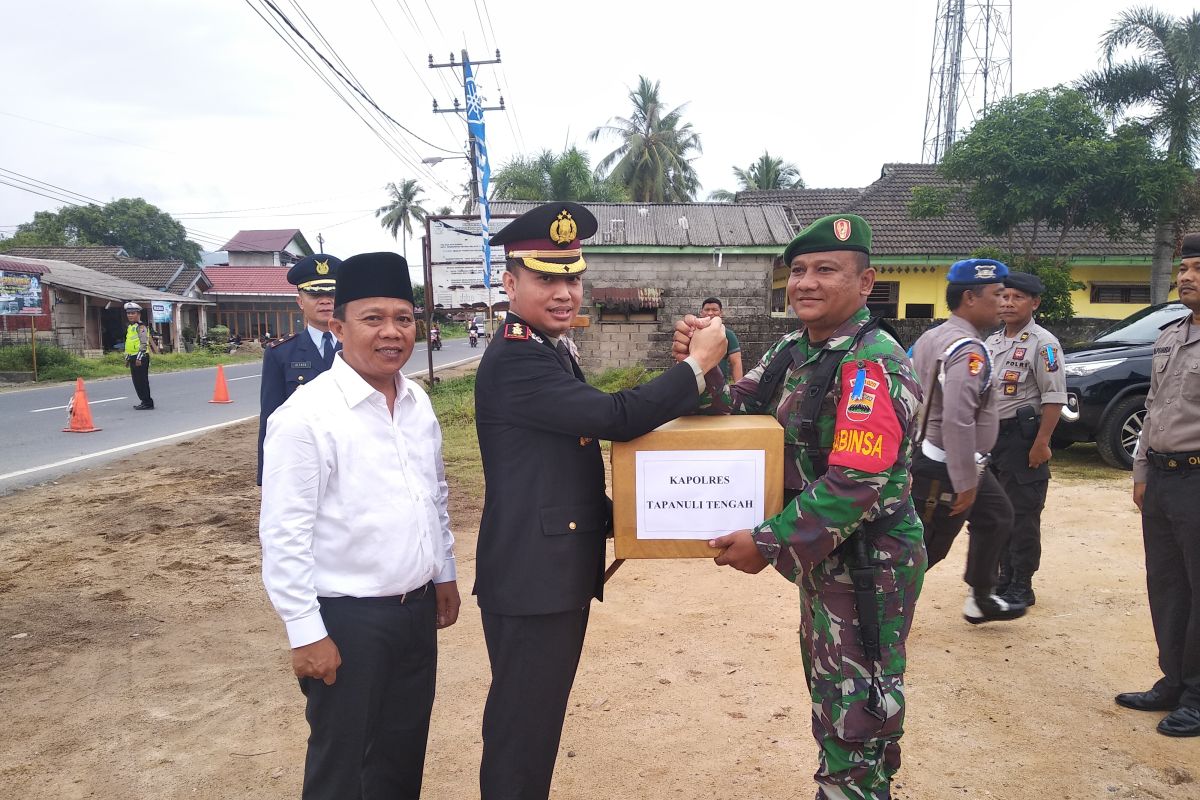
x: 971, y: 68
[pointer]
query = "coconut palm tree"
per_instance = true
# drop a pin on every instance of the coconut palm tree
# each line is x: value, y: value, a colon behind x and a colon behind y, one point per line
x: 554, y: 176
x: 654, y: 160
x: 404, y: 207
x: 767, y: 174
x: 1159, y: 87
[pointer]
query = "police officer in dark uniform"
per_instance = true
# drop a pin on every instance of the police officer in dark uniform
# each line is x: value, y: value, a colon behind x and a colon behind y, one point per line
x: 295, y: 360
x: 540, y: 557
x: 1031, y: 388
x: 1166, y: 481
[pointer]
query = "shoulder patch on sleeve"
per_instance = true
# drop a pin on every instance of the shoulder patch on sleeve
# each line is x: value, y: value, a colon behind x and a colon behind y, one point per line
x: 1051, y: 358
x: 866, y: 434
x: 975, y: 363
x: 287, y: 338
x: 517, y: 331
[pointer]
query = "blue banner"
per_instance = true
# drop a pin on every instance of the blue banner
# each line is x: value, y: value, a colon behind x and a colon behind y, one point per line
x: 475, y: 129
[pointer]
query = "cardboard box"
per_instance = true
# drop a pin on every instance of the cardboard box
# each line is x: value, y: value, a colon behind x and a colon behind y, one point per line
x: 695, y: 476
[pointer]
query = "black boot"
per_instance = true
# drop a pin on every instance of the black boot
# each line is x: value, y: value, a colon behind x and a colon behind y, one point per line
x: 1020, y: 591
x: 1003, y: 581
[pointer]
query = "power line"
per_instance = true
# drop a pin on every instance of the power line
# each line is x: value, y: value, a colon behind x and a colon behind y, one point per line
x: 511, y: 117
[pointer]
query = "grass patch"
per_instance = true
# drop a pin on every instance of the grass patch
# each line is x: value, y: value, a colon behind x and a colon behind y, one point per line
x: 616, y: 380
x: 1082, y: 462
x: 55, y: 364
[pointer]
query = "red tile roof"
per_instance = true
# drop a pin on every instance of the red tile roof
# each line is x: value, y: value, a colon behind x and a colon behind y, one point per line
x: 261, y: 241
x: 27, y: 267
x: 249, y: 280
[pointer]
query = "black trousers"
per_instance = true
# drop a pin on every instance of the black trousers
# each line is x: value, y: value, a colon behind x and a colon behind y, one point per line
x: 988, y: 519
x: 141, y: 378
x: 533, y: 659
x: 1026, y: 489
x: 369, y: 729
x: 1171, y: 532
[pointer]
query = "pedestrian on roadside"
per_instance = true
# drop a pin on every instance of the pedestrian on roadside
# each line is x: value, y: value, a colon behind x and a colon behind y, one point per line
x: 1166, y: 482
x: 358, y: 556
x: 731, y: 364
x: 1031, y: 388
x: 137, y: 355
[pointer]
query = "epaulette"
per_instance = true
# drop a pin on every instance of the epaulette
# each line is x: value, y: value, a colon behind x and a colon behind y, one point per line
x: 287, y: 338
x: 521, y: 332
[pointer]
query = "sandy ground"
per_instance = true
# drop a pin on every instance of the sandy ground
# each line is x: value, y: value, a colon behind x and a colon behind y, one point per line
x: 141, y: 659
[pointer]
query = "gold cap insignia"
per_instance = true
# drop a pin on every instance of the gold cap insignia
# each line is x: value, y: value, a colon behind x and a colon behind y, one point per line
x: 563, y: 230
x: 322, y: 267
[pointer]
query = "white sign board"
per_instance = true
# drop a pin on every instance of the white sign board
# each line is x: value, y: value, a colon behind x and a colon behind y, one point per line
x: 456, y: 262
x: 698, y: 494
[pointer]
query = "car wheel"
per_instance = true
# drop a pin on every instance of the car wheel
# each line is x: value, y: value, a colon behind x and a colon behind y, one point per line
x: 1118, y: 436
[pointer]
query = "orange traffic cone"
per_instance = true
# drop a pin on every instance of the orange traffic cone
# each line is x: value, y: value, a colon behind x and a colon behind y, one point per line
x: 78, y: 413
x: 220, y: 391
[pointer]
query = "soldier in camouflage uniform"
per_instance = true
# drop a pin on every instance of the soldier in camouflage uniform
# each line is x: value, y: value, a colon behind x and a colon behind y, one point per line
x: 846, y: 481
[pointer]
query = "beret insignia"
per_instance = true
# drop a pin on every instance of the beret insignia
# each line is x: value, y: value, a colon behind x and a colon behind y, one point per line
x: 841, y: 229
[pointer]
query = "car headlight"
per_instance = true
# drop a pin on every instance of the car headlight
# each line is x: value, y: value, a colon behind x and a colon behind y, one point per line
x: 1085, y: 368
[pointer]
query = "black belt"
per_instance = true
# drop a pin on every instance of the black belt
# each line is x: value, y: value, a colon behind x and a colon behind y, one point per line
x: 1174, y: 462
x: 1014, y: 424
x: 387, y: 600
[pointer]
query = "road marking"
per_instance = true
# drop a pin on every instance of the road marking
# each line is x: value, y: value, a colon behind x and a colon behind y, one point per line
x: 245, y: 377
x: 436, y: 367
x: 123, y: 447
x: 90, y: 403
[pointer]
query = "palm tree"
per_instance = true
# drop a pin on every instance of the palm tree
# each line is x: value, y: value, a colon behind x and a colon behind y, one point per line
x: 767, y: 174
x: 654, y: 160
x: 405, y: 206
x: 1163, y: 81
x: 550, y: 176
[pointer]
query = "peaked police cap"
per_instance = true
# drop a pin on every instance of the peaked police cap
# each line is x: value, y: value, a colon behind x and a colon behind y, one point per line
x: 547, y: 238
x: 316, y: 273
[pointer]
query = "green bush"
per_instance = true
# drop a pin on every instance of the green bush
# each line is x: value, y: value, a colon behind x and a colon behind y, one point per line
x: 218, y: 339
x: 20, y: 358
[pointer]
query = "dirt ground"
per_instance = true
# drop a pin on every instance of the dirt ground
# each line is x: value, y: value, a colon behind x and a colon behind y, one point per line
x: 141, y: 659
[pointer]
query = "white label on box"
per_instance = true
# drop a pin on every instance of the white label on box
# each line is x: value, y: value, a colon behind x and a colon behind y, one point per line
x: 698, y: 494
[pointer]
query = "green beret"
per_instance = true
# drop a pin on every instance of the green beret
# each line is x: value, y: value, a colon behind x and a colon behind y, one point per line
x: 837, y: 232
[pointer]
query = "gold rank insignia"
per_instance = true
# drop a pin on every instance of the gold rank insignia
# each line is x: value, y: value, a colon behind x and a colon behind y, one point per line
x: 323, y: 267
x: 563, y: 229
x: 516, y: 330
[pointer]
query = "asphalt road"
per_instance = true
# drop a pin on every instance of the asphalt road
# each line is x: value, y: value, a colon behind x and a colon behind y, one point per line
x: 36, y: 449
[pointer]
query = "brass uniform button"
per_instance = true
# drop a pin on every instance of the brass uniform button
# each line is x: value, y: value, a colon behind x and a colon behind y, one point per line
x: 571, y: 526
x: 300, y: 378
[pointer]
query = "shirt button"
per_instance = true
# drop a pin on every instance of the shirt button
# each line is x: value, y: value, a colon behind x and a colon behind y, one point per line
x: 571, y: 525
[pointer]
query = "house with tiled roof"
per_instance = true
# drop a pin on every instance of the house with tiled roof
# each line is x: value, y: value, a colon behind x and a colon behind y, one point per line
x: 912, y: 255
x: 267, y: 248
x: 165, y: 275
x: 651, y: 263
x: 254, y: 302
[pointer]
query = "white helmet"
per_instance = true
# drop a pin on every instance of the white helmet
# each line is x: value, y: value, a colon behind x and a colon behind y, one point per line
x: 131, y: 306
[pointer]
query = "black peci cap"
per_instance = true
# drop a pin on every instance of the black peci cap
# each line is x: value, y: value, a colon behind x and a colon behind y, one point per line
x: 373, y: 275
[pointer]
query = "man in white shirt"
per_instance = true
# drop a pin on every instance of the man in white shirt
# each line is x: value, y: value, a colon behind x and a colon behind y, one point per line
x: 357, y: 551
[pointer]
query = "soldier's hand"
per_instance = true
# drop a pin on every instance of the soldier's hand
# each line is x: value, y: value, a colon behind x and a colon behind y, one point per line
x: 963, y: 502
x: 709, y: 344
x: 1139, y: 494
x: 320, y: 659
x: 448, y: 603
x: 682, y: 339
x: 1039, y: 454
x: 739, y: 551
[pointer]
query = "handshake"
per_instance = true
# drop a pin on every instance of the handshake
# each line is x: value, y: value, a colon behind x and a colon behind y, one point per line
x: 702, y: 338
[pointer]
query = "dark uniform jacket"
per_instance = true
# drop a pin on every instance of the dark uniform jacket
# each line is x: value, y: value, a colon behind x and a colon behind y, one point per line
x: 287, y: 364
x: 545, y: 511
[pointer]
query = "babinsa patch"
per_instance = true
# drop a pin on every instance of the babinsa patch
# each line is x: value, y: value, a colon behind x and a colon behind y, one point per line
x: 866, y: 432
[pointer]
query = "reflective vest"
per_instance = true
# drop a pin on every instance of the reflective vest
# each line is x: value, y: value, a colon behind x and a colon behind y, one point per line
x: 133, y: 342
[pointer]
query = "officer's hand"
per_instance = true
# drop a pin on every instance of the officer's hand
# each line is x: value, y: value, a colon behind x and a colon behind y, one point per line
x: 963, y: 502
x: 1039, y: 454
x: 682, y: 340
x: 448, y: 603
x: 317, y: 660
x: 739, y: 551
x: 1139, y: 494
x: 709, y: 344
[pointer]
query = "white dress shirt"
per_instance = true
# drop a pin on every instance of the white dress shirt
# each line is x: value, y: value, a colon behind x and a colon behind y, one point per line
x: 353, y: 498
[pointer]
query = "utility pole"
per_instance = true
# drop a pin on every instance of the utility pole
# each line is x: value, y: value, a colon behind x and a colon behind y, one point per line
x: 461, y: 109
x: 320, y: 243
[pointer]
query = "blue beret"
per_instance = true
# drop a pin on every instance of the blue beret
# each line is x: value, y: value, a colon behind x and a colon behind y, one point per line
x: 977, y: 272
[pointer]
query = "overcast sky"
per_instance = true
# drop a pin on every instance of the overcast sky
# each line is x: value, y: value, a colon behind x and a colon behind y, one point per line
x: 200, y: 108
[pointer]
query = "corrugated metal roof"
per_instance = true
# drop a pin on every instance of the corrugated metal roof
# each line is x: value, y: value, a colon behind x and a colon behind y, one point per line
x: 678, y: 224
x: 101, y: 284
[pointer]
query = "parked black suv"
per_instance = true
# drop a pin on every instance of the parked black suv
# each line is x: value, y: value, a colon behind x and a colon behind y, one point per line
x: 1107, y: 381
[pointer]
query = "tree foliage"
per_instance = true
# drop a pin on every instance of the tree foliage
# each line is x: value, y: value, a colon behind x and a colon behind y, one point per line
x: 1056, y: 303
x: 403, y: 207
x: 551, y: 176
x: 1157, y: 88
x: 654, y: 158
x: 766, y: 174
x: 1041, y: 165
x: 142, y: 229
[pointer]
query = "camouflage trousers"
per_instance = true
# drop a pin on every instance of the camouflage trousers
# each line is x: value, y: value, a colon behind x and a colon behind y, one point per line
x: 859, y: 740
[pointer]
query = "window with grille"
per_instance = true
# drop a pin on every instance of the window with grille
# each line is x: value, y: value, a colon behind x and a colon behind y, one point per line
x: 1120, y: 293
x: 885, y: 299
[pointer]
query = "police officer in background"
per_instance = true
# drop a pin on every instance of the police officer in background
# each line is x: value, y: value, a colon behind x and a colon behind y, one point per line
x: 295, y: 360
x: 540, y: 558
x: 1031, y: 388
x: 957, y: 430
x: 137, y: 355
x: 1166, y: 482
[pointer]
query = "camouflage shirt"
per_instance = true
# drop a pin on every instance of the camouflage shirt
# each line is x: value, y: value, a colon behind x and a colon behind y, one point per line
x: 866, y: 427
